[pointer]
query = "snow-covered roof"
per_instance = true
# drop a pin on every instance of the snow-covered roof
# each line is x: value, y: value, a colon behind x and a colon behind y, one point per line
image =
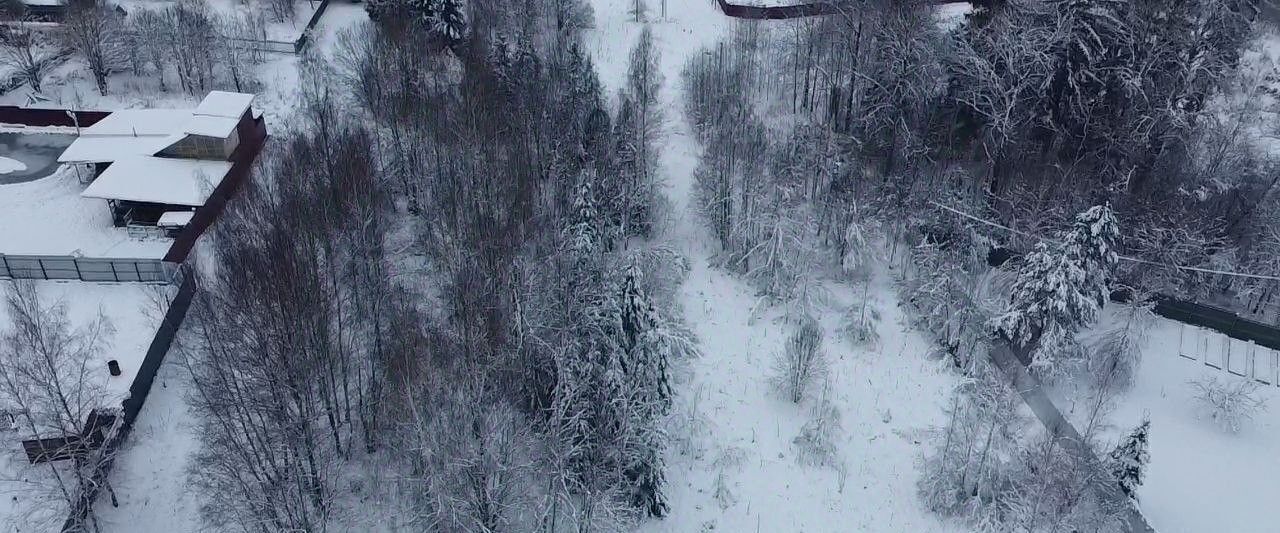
x: 211, y: 126
x: 108, y: 149
x: 132, y: 132
x: 224, y: 104
x: 160, y: 180
x: 139, y: 122
x: 125, y: 133
x: 175, y: 218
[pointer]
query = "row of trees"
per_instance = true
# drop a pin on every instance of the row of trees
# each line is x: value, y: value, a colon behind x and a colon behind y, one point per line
x: 185, y: 40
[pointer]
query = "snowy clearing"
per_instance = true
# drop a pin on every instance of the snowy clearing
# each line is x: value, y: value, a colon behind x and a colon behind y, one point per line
x: 56, y: 220
x: 30, y: 499
x: 1201, y: 477
x: 737, y: 468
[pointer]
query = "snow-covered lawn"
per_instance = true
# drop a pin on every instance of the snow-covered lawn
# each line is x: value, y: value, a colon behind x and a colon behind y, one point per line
x: 150, y: 474
x: 49, y: 217
x: 1201, y: 478
x: 29, y: 497
x: 134, y: 311
x: 888, y: 396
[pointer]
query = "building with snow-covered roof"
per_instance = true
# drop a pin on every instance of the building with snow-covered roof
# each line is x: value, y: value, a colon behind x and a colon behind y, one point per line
x: 152, y: 162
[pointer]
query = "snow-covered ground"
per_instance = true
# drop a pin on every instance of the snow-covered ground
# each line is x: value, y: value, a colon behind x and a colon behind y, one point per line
x: 49, y: 217
x: 150, y: 474
x: 9, y: 165
x: 736, y: 428
x: 29, y: 497
x: 1201, y: 477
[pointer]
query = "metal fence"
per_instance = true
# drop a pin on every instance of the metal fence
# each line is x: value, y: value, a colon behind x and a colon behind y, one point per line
x: 86, y: 269
x: 1226, y: 322
x: 1231, y: 355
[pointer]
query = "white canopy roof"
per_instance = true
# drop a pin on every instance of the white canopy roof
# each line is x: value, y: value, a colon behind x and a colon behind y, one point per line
x: 159, y: 180
x: 139, y: 122
x: 224, y: 104
x: 132, y: 132
x: 108, y: 149
x: 175, y: 218
x: 211, y: 126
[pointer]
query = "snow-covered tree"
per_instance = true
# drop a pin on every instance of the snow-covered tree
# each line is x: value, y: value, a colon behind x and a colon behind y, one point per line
x: 26, y: 52
x: 1061, y: 287
x: 450, y: 19
x: 95, y: 30
x: 1129, y: 459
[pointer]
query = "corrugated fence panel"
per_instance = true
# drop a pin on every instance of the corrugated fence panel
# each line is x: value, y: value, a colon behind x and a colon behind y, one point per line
x: 86, y: 269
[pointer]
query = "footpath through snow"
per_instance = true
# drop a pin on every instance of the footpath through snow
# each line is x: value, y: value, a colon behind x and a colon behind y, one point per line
x: 733, y: 466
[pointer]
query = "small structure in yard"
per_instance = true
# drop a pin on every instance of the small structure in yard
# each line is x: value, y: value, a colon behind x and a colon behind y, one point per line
x: 43, y: 10
x: 155, y: 167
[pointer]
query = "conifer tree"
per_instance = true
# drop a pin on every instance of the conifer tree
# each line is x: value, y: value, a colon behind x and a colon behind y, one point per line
x: 1061, y: 287
x: 1129, y: 459
x: 449, y: 19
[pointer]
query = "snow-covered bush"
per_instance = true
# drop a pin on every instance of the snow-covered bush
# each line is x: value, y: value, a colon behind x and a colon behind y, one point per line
x: 966, y: 469
x: 859, y: 324
x: 1052, y: 489
x: 816, y: 443
x: 1230, y: 403
x: 802, y: 361
x: 1113, y: 351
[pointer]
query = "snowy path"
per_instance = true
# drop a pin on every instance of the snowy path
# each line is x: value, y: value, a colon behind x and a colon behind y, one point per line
x: 737, y: 430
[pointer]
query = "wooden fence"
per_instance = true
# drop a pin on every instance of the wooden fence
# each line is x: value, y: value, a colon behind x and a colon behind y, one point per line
x: 305, y: 38
x: 253, y: 135
x: 812, y: 9
x: 86, y: 268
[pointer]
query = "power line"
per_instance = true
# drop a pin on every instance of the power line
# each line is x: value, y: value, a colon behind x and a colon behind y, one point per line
x: 1122, y: 257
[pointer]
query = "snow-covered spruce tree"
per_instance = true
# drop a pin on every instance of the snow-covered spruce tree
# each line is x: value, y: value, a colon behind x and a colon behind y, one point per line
x: 446, y: 18
x: 645, y: 354
x: 613, y: 385
x: 1128, y: 460
x: 449, y: 19
x: 1061, y: 287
